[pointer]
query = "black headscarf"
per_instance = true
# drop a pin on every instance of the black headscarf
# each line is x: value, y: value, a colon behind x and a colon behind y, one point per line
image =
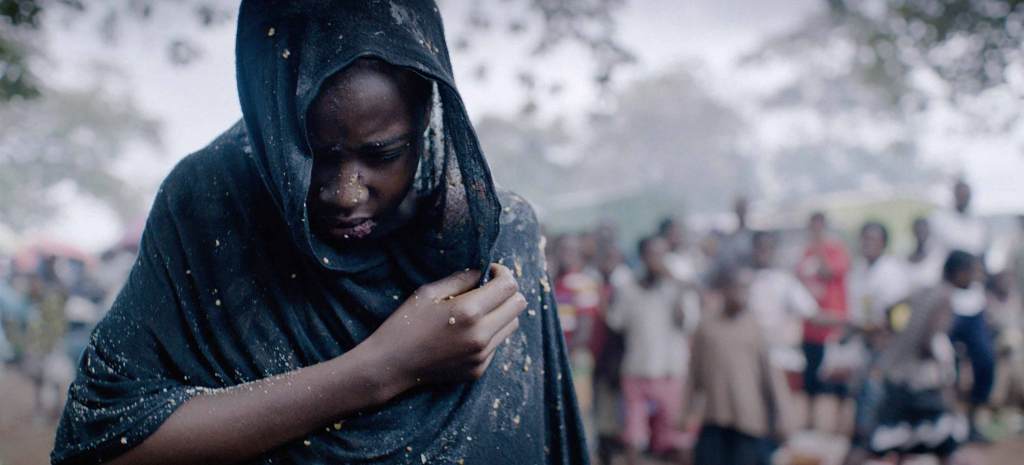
x: 231, y: 286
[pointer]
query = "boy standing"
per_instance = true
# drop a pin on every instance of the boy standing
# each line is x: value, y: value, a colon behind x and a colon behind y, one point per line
x: 649, y: 314
x: 741, y: 392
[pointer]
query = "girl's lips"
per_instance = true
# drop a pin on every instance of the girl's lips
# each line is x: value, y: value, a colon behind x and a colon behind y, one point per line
x: 356, y: 230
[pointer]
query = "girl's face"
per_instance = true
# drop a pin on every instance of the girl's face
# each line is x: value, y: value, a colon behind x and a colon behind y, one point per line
x: 365, y: 132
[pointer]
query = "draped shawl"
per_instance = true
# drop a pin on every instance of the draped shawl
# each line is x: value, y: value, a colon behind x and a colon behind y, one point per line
x: 231, y: 285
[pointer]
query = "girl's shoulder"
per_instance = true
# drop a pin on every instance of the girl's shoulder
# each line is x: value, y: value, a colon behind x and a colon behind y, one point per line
x: 520, y: 230
x: 520, y: 244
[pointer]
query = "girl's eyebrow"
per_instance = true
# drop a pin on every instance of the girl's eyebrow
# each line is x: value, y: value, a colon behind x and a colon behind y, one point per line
x: 368, y: 147
x: 377, y: 145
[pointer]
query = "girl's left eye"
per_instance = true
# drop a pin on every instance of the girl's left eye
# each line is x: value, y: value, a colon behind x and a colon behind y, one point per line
x: 392, y: 154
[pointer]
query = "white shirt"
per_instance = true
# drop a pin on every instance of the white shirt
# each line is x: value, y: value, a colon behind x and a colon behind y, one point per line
x: 968, y: 302
x: 620, y: 276
x: 780, y: 303
x: 873, y: 289
x: 953, y: 230
x: 656, y: 346
x: 683, y: 266
x: 927, y: 272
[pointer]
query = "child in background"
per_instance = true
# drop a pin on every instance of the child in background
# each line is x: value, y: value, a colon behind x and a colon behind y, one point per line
x: 578, y: 295
x: 878, y: 289
x: 608, y: 360
x: 649, y: 314
x: 742, y: 394
x: 917, y: 414
x: 1005, y: 307
x: 780, y: 303
x: 962, y: 271
x: 823, y: 269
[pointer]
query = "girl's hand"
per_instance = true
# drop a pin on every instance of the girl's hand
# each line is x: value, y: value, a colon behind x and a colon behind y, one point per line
x: 448, y: 330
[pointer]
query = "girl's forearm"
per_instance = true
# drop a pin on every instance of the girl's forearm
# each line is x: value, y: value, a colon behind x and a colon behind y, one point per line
x: 240, y: 423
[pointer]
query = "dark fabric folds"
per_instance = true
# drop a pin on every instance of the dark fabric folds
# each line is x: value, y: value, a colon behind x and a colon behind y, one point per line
x: 231, y: 286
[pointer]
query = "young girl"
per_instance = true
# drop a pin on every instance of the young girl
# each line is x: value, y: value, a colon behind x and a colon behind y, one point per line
x: 315, y: 285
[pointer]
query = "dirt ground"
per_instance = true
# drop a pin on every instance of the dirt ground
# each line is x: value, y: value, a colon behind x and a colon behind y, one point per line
x: 26, y: 439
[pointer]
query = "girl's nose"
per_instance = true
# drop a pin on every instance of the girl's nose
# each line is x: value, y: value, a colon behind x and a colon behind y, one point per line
x: 347, y: 190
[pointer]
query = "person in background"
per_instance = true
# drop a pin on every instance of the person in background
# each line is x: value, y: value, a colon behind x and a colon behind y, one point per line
x: 684, y: 265
x: 45, y: 332
x: 959, y: 229
x: 742, y: 394
x: 611, y: 263
x: 878, y: 286
x: 608, y: 357
x: 878, y: 280
x: 963, y: 271
x: 823, y: 269
x: 681, y: 260
x: 578, y: 295
x: 735, y: 249
x: 779, y: 302
x: 917, y: 414
x: 1017, y: 258
x: 589, y: 244
x: 6, y: 349
x: 576, y: 291
x: 9, y: 298
x: 1007, y: 315
x: 1008, y: 294
x: 81, y: 311
x: 925, y: 262
x: 650, y: 315
x: 709, y: 249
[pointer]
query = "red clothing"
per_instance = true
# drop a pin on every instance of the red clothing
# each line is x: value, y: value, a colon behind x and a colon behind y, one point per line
x: 830, y: 292
x: 578, y: 296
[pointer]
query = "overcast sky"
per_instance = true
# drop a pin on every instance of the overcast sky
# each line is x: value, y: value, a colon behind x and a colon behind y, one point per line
x: 197, y: 102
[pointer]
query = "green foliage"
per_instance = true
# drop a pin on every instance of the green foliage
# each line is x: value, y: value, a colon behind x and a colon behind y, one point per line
x: 587, y: 22
x: 21, y: 13
x: 967, y: 42
x: 17, y: 19
x: 866, y: 52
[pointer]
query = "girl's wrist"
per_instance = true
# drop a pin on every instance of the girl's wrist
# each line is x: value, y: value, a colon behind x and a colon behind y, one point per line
x: 385, y: 378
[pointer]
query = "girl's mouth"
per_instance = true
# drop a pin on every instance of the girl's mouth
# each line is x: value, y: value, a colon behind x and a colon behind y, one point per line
x: 353, y: 229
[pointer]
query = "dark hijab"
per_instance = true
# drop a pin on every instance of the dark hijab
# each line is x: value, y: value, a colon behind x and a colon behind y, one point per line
x: 231, y: 285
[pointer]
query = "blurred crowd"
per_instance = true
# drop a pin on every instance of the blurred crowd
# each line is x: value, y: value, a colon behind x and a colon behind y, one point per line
x: 708, y: 347
x: 51, y: 296
x: 714, y: 347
